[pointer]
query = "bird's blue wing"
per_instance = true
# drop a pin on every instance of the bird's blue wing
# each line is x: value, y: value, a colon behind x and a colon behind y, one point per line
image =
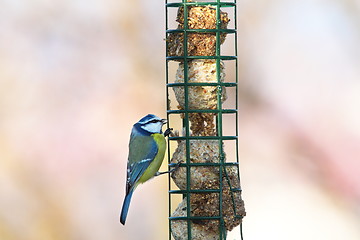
x: 142, y: 151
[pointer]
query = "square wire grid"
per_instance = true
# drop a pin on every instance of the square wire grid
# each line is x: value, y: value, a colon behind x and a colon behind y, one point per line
x: 219, y: 111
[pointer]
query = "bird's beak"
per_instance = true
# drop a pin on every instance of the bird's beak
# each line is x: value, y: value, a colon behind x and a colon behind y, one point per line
x: 163, y: 121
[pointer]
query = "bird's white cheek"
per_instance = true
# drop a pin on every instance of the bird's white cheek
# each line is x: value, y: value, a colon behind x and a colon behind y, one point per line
x: 153, y: 127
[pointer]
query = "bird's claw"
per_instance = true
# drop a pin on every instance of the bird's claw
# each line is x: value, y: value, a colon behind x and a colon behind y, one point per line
x: 168, y: 132
x: 170, y: 171
x: 176, y: 167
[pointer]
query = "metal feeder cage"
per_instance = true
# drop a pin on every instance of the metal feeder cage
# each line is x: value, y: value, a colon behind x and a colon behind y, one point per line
x: 208, y: 179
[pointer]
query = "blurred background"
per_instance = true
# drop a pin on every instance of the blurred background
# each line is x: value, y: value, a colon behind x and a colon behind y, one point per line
x: 75, y: 75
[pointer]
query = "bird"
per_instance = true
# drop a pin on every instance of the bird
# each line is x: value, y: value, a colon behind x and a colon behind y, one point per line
x: 146, y: 152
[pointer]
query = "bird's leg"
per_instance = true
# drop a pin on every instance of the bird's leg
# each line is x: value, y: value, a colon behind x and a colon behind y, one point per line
x: 170, y: 171
x: 168, y: 132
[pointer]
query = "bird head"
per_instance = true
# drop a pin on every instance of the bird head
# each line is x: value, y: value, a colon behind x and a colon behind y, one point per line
x: 151, y: 123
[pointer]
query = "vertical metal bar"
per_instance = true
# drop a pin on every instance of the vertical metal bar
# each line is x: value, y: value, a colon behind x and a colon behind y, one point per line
x: 186, y: 119
x: 222, y: 231
x: 236, y: 80
x: 237, y: 102
x: 167, y: 108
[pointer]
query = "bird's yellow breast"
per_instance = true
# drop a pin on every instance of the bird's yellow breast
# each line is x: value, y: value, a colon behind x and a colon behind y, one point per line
x: 156, y: 163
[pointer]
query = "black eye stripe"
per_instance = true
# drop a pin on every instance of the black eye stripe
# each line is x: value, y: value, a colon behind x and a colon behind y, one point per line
x: 153, y: 121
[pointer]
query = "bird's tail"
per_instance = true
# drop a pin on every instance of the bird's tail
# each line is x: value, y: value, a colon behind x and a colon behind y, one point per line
x: 125, y: 207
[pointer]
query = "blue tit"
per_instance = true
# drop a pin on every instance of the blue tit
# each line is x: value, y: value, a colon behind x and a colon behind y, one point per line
x: 146, y: 153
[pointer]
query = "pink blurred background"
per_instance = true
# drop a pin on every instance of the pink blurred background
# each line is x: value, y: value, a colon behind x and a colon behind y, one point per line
x: 75, y: 75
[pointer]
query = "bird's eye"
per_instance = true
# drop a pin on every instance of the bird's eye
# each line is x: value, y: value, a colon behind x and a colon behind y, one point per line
x: 153, y: 121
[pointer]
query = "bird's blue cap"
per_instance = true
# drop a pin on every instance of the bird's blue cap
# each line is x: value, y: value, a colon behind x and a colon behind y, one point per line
x: 148, y: 118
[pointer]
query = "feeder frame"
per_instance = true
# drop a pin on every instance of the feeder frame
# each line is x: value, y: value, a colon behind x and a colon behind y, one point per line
x: 219, y: 111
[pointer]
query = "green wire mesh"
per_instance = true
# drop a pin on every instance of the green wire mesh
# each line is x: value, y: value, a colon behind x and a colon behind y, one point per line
x: 186, y: 111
